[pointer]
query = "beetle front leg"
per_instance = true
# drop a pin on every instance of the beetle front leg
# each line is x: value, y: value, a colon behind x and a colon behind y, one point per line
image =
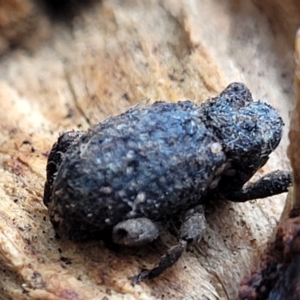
x: 55, y: 158
x: 191, y: 232
x: 271, y: 184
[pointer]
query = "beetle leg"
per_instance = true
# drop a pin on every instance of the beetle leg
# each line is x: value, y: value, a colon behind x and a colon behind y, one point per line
x: 193, y: 226
x: 135, y: 232
x: 191, y: 231
x: 166, y: 261
x: 271, y: 184
x: 55, y: 158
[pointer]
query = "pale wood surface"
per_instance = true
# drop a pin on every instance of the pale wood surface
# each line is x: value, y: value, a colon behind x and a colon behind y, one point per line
x: 112, y: 55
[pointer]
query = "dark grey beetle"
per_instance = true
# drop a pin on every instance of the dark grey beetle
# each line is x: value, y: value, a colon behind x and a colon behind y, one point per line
x: 132, y: 173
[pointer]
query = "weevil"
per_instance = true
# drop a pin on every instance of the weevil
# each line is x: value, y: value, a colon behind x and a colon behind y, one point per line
x: 132, y: 173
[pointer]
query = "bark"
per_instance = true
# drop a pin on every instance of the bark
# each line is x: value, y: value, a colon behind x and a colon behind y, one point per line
x: 58, y: 76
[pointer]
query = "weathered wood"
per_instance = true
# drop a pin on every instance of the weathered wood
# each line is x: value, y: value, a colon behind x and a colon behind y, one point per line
x: 113, y: 54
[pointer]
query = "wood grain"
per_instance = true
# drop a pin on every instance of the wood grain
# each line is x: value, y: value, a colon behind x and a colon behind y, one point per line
x: 109, y: 57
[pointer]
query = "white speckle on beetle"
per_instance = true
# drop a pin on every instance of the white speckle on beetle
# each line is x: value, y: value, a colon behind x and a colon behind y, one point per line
x: 141, y: 197
x: 216, y: 148
x: 129, y: 170
x: 106, y: 189
x: 130, y: 154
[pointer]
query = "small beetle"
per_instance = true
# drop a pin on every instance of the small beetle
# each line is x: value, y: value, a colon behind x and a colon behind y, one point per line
x: 132, y: 173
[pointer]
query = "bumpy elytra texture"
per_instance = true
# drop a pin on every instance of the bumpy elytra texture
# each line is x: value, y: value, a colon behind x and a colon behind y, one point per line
x: 149, y: 162
x: 134, y: 171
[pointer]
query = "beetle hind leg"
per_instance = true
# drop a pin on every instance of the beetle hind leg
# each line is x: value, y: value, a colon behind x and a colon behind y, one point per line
x: 135, y: 232
x: 191, y: 232
x: 166, y: 261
